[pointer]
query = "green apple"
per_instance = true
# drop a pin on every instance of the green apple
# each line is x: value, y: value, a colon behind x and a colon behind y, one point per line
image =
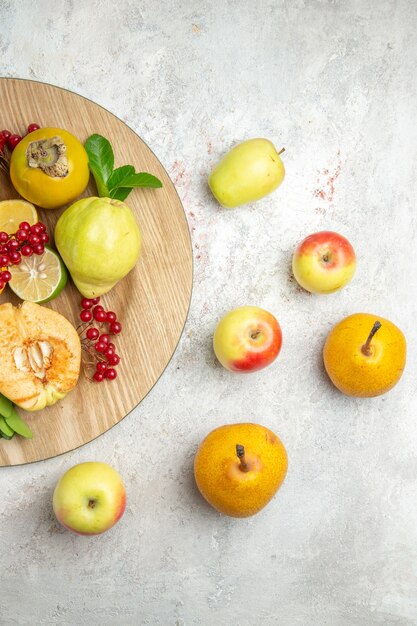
x: 89, y: 498
x: 250, y: 171
x: 99, y: 242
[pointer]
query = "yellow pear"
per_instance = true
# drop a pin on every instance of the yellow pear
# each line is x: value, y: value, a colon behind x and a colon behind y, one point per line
x: 364, y: 355
x: 248, y: 172
x: 238, y: 468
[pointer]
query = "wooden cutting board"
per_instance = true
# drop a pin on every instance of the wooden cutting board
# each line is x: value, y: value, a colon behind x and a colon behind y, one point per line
x: 151, y: 302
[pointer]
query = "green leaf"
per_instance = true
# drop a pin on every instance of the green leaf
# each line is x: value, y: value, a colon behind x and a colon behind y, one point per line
x: 6, y: 431
x: 15, y: 422
x: 142, y: 179
x: 6, y: 406
x: 116, y: 183
x: 100, y: 160
x: 120, y: 193
x: 118, y: 177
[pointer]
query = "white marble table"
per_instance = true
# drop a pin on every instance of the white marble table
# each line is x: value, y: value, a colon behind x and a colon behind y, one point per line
x: 335, y: 83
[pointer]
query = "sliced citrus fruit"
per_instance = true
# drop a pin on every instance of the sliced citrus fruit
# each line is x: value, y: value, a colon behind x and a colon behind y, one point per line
x: 39, y: 278
x: 12, y: 212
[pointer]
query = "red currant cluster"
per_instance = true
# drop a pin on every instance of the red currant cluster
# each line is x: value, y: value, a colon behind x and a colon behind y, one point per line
x: 11, y: 139
x: 101, y: 352
x: 27, y: 240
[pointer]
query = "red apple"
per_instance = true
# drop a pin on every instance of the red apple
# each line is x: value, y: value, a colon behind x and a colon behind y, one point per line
x: 324, y: 262
x: 247, y: 339
x: 89, y: 498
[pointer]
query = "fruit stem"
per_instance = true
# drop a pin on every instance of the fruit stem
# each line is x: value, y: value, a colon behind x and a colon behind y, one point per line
x: 92, y: 504
x: 240, y: 451
x: 281, y: 151
x: 366, y: 347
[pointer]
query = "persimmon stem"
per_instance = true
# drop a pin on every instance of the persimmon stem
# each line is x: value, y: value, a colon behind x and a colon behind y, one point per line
x: 367, y: 345
x: 240, y: 451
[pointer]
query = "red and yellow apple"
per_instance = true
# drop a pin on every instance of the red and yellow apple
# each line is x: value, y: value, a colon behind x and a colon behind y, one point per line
x: 89, y: 498
x: 247, y: 339
x: 324, y: 262
x: 364, y: 355
x: 238, y: 468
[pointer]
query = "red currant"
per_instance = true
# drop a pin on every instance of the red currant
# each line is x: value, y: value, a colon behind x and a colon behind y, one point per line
x: 111, y: 345
x: 41, y: 228
x: 115, y: 328
x: 13, y: 244
x: 111, y: 317
x: 114, y: 359
x: 92, y: 333
x: 33, y: 239
x: 13, y: 140
x: 4, y: 260
x: 105, y: 338
x: 36, y: 229
x: 24, y: 226
x: 33, y: 127
x: 99, y: 316
x: 108, y: 352
x: 4, y: 237
x: 15, y: 257
x: 86, y: 316
x: 110, y: 374
x: 86, y: 303
x: 21, y: 235
x: 6, y: 276
x: 1, y: 284
x: 101, y: 366
x: 44, y: 238
x: 26, y: 250
x: 100, y: 346
x: 39, y: 248
x: 98, y: 377
x: 6, y: 134
x: 96, y: 300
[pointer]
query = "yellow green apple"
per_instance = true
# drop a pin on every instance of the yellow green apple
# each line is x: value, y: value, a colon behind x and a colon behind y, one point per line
x: 247, y: 339
x: 324, y: 262
x: 99, y: 241
x: 248, y: 172
x: 89, y: 498
x: 364, y: 355
x: 238, y: 468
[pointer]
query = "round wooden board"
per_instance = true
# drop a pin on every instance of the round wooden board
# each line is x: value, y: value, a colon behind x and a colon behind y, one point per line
x: 151, y: 302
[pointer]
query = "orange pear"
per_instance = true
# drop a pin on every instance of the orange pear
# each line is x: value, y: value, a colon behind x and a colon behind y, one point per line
x: 364, y: 355
x: 238, y: 468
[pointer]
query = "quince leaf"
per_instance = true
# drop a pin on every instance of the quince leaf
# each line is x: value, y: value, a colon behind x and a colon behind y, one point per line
x: 100, y: 160
x: 119, y: 176
x: 120, y: 193
x: 142, y: 179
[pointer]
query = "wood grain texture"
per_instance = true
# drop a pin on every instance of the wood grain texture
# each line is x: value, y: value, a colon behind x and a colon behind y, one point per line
x: 151, y: 302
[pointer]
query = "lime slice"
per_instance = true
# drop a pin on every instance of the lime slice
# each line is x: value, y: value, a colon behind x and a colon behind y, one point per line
x: 12, y: 212
x: 39, y: 278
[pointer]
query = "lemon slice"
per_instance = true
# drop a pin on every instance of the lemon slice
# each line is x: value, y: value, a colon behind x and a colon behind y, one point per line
x: 12, y: 212
x: 39, y: 278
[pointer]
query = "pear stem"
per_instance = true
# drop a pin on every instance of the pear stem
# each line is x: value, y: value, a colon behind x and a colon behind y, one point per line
x: 366, y: 346
x: 240, y: 451
x: 281, y: 151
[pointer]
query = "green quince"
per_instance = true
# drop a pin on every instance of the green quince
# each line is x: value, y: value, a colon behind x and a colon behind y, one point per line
x: 99, y: 242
